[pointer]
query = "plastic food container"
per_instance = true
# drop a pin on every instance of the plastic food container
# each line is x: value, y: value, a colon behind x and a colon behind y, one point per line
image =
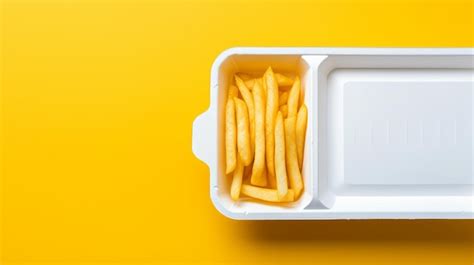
x: 389, y: 132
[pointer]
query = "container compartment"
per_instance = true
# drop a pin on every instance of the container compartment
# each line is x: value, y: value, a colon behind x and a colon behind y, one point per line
x: 395, y: 127
x: 290, y: 65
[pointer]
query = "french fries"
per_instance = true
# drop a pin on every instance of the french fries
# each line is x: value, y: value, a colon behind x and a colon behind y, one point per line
x: 257, y: 177
x: 283, y: 81
x: 294, y: 174
x: 230, y: 137
x: 248, y: 98
x: 235, y: 187
x: 243, y: 135
x: 301, y: 121
x: 268, y: 195
x: 270, y: 116
x: 293, y: 98
x: 265, y: 129
x: 280, y: 167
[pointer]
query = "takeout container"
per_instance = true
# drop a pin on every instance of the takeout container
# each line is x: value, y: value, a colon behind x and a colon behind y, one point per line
x: 389, y: 132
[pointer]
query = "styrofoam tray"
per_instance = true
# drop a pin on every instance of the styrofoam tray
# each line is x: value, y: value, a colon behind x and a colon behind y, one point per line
x: 389, y: 132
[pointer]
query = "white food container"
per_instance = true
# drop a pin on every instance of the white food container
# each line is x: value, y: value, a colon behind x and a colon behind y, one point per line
x: 389, y: 132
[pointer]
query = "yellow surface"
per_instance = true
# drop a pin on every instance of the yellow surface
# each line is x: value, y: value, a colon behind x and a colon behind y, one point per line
x: 98, y: 99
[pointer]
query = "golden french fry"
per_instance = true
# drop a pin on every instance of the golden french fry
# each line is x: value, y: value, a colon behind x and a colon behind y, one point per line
x: 270, y: 116
x: 258, y: 169
x: 293, y: 98
x: 272, y: 181
x: 233, y: 92
x: 301, y: 122
x: 248, y: 98
x: 296, y: 181
x: 283, y: 80
x: 284, y: 110
x: 251, y: 82
x: 269, y: 195
x: 243, y: 134
x: 230, y: 137
x: 237, y: 180
x: 280, y: 167
x: 283, y: 98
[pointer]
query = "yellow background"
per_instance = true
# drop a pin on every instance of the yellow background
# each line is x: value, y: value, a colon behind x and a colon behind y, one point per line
x: 98, y: 99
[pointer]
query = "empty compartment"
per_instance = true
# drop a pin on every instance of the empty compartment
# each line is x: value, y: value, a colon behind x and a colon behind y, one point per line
x: 393, y: 127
